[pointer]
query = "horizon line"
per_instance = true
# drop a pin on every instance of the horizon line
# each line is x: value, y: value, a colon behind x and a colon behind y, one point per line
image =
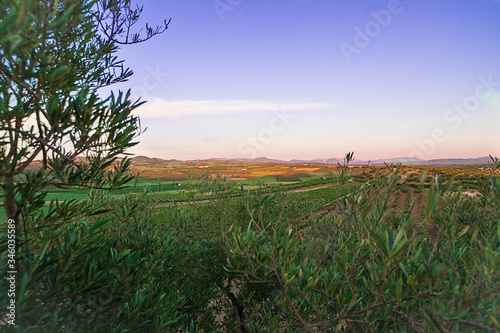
x: 317, y: 158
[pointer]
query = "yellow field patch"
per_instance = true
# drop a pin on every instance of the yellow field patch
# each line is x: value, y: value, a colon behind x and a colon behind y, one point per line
x: 307, y: 169
x: 266, y: 173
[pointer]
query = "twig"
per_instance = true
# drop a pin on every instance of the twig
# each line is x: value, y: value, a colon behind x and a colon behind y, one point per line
x: 476, y: 325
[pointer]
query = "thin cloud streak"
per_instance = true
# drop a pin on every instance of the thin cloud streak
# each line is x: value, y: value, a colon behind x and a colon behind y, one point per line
x: 161, y: 108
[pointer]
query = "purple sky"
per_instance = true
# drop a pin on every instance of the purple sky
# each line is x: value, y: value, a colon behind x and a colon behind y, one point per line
x: 311, y: 78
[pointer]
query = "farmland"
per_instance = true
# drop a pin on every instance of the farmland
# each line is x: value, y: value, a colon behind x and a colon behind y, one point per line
x: 170, y: 181
x: 167, y: 180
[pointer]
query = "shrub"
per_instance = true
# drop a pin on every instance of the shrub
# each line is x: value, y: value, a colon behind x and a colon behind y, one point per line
x: 359, y: 270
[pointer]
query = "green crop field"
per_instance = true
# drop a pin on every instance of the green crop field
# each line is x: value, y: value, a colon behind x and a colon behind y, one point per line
x: 165, y: 188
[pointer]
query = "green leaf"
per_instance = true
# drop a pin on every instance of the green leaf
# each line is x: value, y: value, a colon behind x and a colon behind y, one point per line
x: 403, y: 269
x: 474, y: 235
x: 432, y: 198
x: 463, y: 232
x: 97, y: 225
x: 399, y: 288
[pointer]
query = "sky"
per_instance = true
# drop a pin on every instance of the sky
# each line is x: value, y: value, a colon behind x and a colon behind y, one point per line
x: 304, y: 79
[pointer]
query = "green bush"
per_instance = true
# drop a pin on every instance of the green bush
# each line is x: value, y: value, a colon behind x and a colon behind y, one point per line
x: 361, y: 271
x: 101, y: 273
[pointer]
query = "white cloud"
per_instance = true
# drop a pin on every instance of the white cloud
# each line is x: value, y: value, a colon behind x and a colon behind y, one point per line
x: 179, y: 108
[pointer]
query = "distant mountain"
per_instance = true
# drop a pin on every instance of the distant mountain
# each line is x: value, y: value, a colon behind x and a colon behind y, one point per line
x: 402, y: 160
x: 296, y: 161
x: 144, y: 160
x: 326, y: 160
x: 259, y: 160
x: 460, y: 161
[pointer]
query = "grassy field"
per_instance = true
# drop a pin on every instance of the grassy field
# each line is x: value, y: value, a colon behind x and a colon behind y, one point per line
x: 157, y: 180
